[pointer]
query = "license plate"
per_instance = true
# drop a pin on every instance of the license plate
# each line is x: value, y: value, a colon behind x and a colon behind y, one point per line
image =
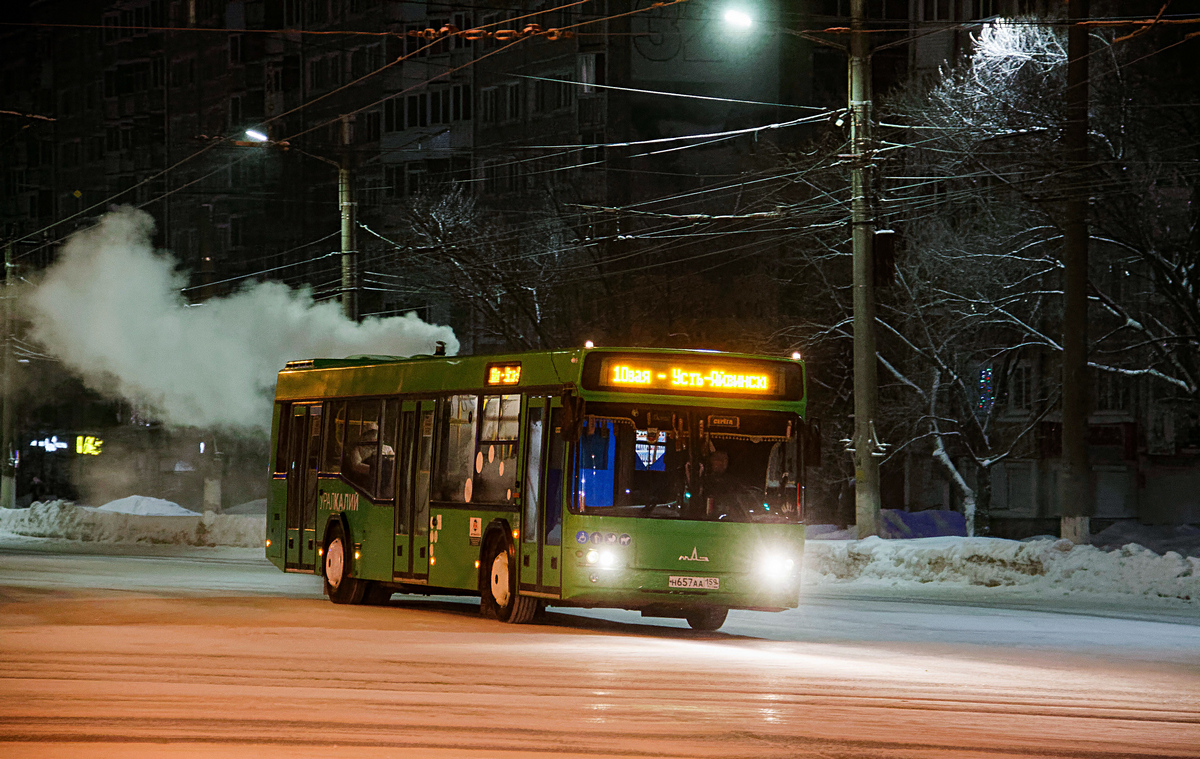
x: 704, y: 583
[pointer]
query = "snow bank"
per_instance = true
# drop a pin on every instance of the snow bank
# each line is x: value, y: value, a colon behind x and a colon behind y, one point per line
x: 148, y: 507
x: 1182, y: 539
x: 895, y: 524
x: 1040, y: 565
x: 62, y: 519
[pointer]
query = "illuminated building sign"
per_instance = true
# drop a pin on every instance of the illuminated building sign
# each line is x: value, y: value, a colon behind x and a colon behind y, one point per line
x: 690, y: 376
x: 88, y: 445
x: 503, y: 374
x: 50, y: 444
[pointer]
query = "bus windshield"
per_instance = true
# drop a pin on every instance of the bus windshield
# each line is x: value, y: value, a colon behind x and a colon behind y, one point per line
x: 696, y: 464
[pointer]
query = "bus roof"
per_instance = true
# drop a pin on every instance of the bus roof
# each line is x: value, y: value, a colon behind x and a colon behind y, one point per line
x: 549, y: 372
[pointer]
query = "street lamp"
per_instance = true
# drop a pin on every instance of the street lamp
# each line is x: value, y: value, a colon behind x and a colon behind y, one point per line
x: 348, y: 206
x: 738, y: 18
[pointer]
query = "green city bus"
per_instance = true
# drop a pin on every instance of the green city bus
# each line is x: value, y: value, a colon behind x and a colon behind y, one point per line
x: 665, y: 481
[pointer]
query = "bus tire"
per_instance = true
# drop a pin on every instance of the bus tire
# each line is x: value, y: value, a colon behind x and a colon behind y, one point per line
x: 339, y: 585
x: 707, y: 619
x: 499, y: 586
x: 376, y: 594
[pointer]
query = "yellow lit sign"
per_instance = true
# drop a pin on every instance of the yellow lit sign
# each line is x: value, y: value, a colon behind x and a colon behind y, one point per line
x: 88, y: 445
x: 689, y: 378
x: 503, y: 374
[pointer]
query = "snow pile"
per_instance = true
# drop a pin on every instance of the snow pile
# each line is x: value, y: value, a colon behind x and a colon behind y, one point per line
x: 896, y: 524
x: 1182, y: 539
x: 146, y: 506
x: 63, y: 519
x: 256, y: 507
x: 1040, y: 565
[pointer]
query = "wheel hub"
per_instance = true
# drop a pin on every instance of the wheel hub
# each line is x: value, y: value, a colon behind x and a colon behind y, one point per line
x: 499, y: 575
x: 335, y: 563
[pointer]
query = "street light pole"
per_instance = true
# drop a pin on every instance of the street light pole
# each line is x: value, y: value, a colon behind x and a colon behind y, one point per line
x: 8, y: 477
x: 1075, y: 479
x: 866, y: 380
x: 349, y: 242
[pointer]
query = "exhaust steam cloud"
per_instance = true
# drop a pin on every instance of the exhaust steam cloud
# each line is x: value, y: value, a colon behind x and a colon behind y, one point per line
x: 110, y: 308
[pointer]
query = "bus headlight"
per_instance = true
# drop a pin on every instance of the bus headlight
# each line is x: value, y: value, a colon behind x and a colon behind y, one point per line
x: 592, y: 556
x: 604, y: 558
x: 776, y: 566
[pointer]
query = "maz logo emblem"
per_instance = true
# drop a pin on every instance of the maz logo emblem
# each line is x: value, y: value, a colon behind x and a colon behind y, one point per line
x: 693, y: 557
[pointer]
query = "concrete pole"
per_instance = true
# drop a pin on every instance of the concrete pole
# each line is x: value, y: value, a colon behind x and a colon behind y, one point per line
x: 1075, y: 492
x: 349, y: 242
x: 8, y: 474
x: 866, y: 380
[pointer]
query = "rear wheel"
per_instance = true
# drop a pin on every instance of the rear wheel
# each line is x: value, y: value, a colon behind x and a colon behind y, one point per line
x: 707, y: 619
x: 499, y: 591
x: 376, y: 594
x: 339, y: 585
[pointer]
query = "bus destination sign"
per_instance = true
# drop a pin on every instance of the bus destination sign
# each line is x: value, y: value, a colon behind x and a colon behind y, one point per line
x: 689, y: 376
x: 503, y: 374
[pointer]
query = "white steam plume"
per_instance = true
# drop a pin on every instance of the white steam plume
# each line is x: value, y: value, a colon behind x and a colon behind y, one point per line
x: 110, y: 308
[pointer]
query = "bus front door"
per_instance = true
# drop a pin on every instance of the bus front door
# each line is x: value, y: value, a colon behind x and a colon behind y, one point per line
x: 303, y: 453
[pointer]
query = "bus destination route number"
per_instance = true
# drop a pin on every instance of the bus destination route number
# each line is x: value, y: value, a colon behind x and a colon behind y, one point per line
x: 703, y: 583
x: 708, y: 378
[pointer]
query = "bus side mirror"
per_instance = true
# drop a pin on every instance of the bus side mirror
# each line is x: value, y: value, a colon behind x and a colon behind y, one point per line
x: 572, y: 416
x: 812, y: 443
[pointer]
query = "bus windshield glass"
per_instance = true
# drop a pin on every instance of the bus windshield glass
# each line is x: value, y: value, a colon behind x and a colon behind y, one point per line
x: 695, y: 464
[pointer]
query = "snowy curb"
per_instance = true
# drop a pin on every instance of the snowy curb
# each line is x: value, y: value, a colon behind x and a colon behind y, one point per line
x: 62, y: 519
x: 1050, y: 565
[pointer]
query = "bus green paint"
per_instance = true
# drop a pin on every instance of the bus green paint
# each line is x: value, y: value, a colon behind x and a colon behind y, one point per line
x: 657, y: 549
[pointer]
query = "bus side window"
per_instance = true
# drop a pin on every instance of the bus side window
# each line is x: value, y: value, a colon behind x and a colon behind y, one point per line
x: 554, y: 480
x: 335, y: 433
x: 387, y: 449
x: 360, y: 457
x: 281, y: 441
x: 496, y: 456
x: 454, y: 481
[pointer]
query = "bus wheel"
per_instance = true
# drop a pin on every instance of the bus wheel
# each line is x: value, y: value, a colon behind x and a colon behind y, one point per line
x: 376, y: 594
x: 500, y: 588
x: 339, y: 586
x: 707, y: 619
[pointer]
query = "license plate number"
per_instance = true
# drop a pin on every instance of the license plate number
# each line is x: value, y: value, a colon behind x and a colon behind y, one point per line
x: 703, y: 583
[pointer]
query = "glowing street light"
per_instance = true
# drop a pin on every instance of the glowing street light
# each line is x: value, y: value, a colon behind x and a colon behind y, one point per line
x: 257, y: 136
x: 740, y: 19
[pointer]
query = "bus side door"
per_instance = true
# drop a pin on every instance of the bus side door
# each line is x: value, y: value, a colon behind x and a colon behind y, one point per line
x: 415, y: 464
x: 304, y: 455
x: 540, y: 552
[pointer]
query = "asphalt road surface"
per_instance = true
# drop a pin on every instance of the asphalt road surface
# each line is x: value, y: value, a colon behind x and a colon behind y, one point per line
x: 169, y: 652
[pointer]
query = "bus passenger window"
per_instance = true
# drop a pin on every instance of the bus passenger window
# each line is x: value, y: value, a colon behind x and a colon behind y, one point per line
x: 334, y: 435
x: 387, y: 456
x: 281, y: 450
x: 454, y: 480
x: 496, y: 456
x: 554, y: 480
x: 360, y: 460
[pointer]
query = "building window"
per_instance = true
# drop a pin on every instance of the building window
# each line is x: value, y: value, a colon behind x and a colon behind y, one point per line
x: 985, y: 8
x: 462, y: 102
x: 512, y: 102
x: 937, y: 10
x: 489, y: 105
x: 235, y: 48
x: 393, y: 115
x: 591, y: 71
x: 1112, y: 392
x: 1020, y: 387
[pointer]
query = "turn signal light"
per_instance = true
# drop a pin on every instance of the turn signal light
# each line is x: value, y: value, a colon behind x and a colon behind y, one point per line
x: 477, y: 563
x: 516, y: 533
x: 358, y: 554
x: 320, y: 552
x: 432, y: 560
x: 268, y: 542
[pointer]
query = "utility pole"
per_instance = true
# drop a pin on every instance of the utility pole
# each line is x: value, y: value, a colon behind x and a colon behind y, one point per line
x: 866, y: 380
x: 349, y: 227
x: 349, y: 242
x: 1075, y: 495
x: 8, y: 474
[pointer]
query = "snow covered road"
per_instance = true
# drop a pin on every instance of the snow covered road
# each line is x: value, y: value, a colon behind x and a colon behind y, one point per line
x: 168, y: 651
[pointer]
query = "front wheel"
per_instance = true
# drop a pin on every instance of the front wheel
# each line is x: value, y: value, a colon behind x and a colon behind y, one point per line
x: 707, y: 619
x: 339, y: 585
x: 499, y: 591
